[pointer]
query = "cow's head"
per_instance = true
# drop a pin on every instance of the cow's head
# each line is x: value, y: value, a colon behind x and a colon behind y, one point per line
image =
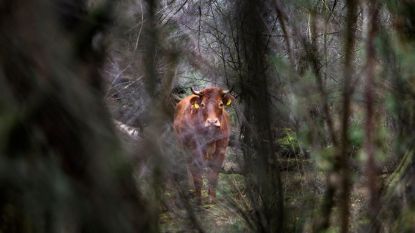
x: 210, y: 103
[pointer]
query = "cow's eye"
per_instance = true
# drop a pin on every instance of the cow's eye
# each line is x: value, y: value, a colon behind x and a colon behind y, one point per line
x: 221, y: 105
x: 202, y: 105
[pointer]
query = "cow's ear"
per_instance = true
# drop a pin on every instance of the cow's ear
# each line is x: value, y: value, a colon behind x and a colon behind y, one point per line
x: 227, y: 99
x: 195, y: 102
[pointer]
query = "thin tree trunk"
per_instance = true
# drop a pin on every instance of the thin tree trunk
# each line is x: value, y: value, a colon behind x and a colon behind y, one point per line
x: 266, y: 193
x: 369, y: 147
x: 344, y: 150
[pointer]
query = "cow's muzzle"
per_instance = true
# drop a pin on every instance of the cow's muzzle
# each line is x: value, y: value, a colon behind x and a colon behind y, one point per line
x: 212, y: 122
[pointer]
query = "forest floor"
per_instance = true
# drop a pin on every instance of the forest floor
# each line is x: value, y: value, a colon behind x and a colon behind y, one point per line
x: 217, y: 217
x: 303, y: 190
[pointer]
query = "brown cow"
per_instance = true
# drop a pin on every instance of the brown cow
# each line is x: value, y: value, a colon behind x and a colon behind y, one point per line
x: 202, y: 126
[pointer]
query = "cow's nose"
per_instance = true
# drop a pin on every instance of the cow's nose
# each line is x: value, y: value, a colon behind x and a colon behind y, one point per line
x: 212, y: 122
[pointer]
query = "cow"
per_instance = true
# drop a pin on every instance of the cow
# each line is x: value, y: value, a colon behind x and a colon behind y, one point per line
x: 202, y: 126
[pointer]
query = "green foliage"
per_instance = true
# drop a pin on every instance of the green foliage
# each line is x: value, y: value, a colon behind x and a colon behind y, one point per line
x: 325, y: 158
x: 289, y: 139
x: 356, y: 133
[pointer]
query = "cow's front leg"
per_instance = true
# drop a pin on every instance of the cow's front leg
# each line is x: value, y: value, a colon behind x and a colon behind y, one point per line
x: 214, y: 167
x: 196, y: 169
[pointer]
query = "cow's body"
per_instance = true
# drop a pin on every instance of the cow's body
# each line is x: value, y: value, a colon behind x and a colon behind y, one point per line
x: 202, y: 126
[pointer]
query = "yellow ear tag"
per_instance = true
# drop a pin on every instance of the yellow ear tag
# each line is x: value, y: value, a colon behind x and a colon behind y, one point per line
x: 229, y: 102
x: 195, y: 105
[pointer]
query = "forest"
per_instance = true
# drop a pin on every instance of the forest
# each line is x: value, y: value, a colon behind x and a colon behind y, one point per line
x: 207, y: 116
